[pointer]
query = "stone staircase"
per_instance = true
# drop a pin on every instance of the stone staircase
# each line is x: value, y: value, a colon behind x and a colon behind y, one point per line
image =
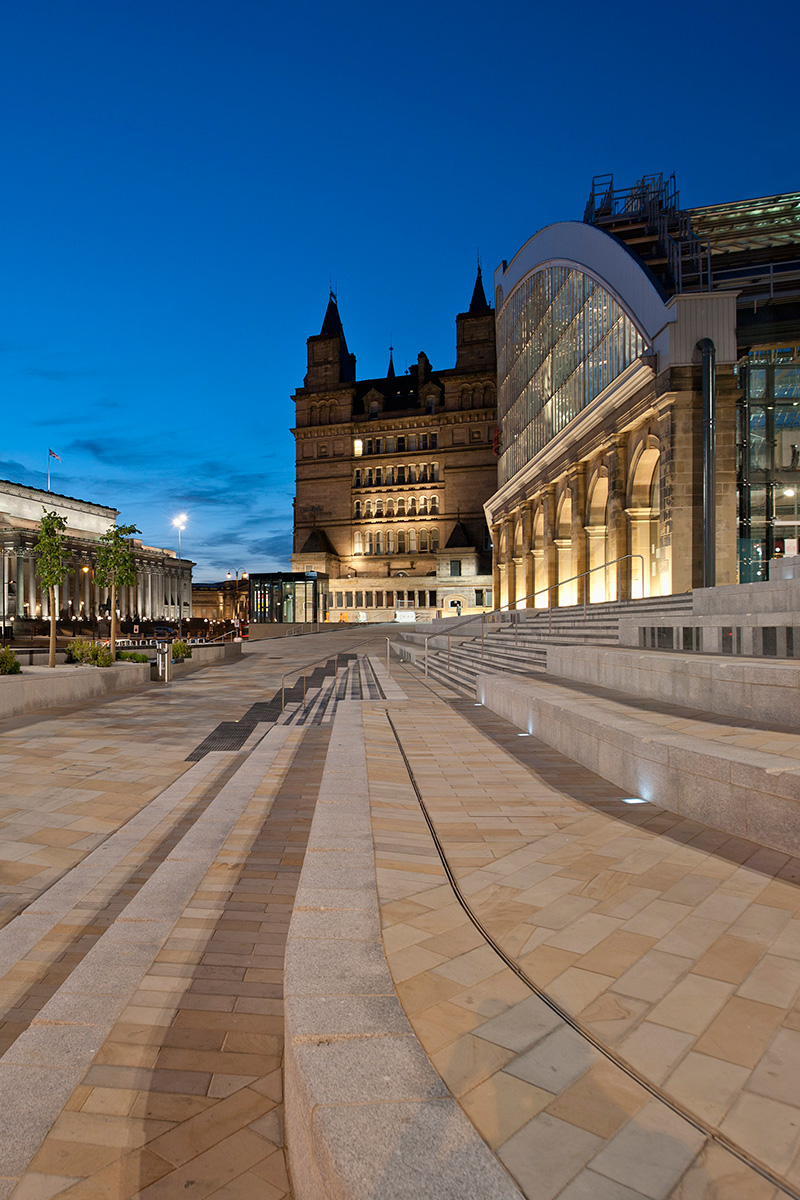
x: 516, y: 642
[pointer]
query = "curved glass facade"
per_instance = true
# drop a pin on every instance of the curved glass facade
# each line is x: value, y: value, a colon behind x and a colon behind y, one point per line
x: 562, y: 339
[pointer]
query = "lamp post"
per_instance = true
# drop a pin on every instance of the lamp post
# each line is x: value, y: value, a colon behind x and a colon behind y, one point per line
x: 231, y: 575
x: 180, y: 524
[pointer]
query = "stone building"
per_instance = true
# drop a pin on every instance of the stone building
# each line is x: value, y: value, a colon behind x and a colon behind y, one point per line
x: 392, y: 475
x: 163, y: 588
x: 648, y: 392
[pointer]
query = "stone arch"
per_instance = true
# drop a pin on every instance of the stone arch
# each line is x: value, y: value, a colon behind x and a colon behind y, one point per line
x: 602, y: 584
x: 567, y: 591
x: 644, y: 513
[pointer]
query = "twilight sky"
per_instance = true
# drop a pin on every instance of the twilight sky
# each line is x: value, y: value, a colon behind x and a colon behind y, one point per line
x: 183, y: 178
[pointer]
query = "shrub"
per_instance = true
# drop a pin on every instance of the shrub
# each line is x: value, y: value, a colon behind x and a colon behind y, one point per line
x: 101, y: 655
x: 181, y: 650
x: 9, y: 663
x: 132, y: 656
x: 79, y: 650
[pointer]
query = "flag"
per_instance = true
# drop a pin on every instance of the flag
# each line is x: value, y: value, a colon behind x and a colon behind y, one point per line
x: 52, y: 454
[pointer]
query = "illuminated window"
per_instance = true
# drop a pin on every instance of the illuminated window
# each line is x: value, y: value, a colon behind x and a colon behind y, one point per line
x: 358, y: 447
x: 562, y: 339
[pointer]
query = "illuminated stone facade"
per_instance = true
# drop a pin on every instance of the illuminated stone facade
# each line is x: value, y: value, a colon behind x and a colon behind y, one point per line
x: 163, y: 589
x: 600, y: 397
x: 392, y: 475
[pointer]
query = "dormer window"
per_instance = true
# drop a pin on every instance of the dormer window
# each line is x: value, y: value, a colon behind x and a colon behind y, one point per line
x: 374, y: 411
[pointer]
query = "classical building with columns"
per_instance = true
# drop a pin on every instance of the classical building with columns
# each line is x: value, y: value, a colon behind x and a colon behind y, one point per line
x: 163, y: 587
x: 648, y: 393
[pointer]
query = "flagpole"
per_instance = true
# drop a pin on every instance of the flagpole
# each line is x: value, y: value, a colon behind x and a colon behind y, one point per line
x: 48, y: 470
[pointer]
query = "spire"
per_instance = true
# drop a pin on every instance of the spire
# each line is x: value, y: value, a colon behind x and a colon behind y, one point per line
x: 478, y: 303
x: 390, y: 372
x: 332, y: 325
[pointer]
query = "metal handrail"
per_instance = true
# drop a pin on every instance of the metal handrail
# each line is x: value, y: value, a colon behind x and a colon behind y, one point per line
x: 549, y: 588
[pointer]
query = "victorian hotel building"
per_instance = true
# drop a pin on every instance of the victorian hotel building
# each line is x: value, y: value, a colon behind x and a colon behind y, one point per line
x: 163, y: 587
x: 392, y: 476
x: 648, y: 398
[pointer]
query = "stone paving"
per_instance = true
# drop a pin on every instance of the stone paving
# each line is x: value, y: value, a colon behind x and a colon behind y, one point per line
x: 628, y: 1029
x: 673, y: 946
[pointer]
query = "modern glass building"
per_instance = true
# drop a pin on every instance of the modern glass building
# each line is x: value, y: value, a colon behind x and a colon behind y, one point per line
x: 768, y: 442
x: 288, y: 598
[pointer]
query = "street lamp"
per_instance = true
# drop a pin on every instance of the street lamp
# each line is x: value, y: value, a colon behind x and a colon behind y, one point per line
x: 180, y: 524
x: 231, y: 575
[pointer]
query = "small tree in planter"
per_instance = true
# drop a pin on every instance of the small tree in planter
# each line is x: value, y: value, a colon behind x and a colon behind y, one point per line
x: 115, y: 568
x: 51, y: 566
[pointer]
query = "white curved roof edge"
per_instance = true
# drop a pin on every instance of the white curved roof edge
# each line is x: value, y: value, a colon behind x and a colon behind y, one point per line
x: 588, y: 249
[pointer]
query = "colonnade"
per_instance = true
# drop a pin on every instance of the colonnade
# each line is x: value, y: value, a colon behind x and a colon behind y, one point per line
x: 596, y: 533
x: 162, y: 589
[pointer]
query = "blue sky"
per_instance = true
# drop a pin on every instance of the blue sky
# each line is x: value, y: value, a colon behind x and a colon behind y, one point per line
x: 182, y: 180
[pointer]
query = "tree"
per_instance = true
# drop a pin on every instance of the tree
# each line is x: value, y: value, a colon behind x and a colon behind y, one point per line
x: 115, y: 567
x: 51, y: 565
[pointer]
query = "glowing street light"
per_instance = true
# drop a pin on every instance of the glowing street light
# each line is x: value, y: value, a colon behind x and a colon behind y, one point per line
x: 180, y: 524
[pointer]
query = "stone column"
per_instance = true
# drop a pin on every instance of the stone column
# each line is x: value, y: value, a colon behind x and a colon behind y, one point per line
x: 496, y: 582
x: 577, y: 487
x: 550, y: 548
x: 600, y: 589
x: 527, y: 551
x: 19, y: 576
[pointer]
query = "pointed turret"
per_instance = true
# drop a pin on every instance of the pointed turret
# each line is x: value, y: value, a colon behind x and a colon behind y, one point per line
x: 478, y: 305
x: 390, y: 372
x: 332, y: 325
x: 475, y: 332
x: 329, y: 360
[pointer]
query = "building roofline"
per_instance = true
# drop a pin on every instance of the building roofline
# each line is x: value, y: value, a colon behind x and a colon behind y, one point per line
x: 18, y: 489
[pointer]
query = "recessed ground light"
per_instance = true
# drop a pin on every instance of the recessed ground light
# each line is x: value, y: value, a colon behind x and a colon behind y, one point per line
x: 632, y: 800
x: 523, y: 735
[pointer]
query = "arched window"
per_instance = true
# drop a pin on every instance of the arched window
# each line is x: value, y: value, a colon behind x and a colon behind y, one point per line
x: 424, y: 472
x: 390, y: 541
x: 373, y: 409
x: 476, y: 397
x: 378, y: 543
x: 423, y: 506
x: 378, y: 477
x: 488, y: 396
x: 368, y: 508
x: 378, y: 508
x: 412, y: 506
x: 324, y: 414
x: 423, y: 541
x: 369, y: 543
x: 435, y: 472
x: 357, y: 478
x: 464, y: 400
x: 390, y: 508
x: 357, y: 510
x: 434, y: 541
x: 358, y: 544
x: 334, y: 413
x: 314, y: 416
x: 434, y: 504
x: 412, y: 474
x: 401, y: 507
x: 412, y: 541
x: 389, y: 477
x: 401, y: 541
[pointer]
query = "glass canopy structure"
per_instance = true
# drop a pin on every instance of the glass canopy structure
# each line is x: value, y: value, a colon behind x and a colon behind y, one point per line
x: 563, y: 339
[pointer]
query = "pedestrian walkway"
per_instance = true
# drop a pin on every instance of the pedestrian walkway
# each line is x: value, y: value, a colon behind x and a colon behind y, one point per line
x: 609, y: 991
